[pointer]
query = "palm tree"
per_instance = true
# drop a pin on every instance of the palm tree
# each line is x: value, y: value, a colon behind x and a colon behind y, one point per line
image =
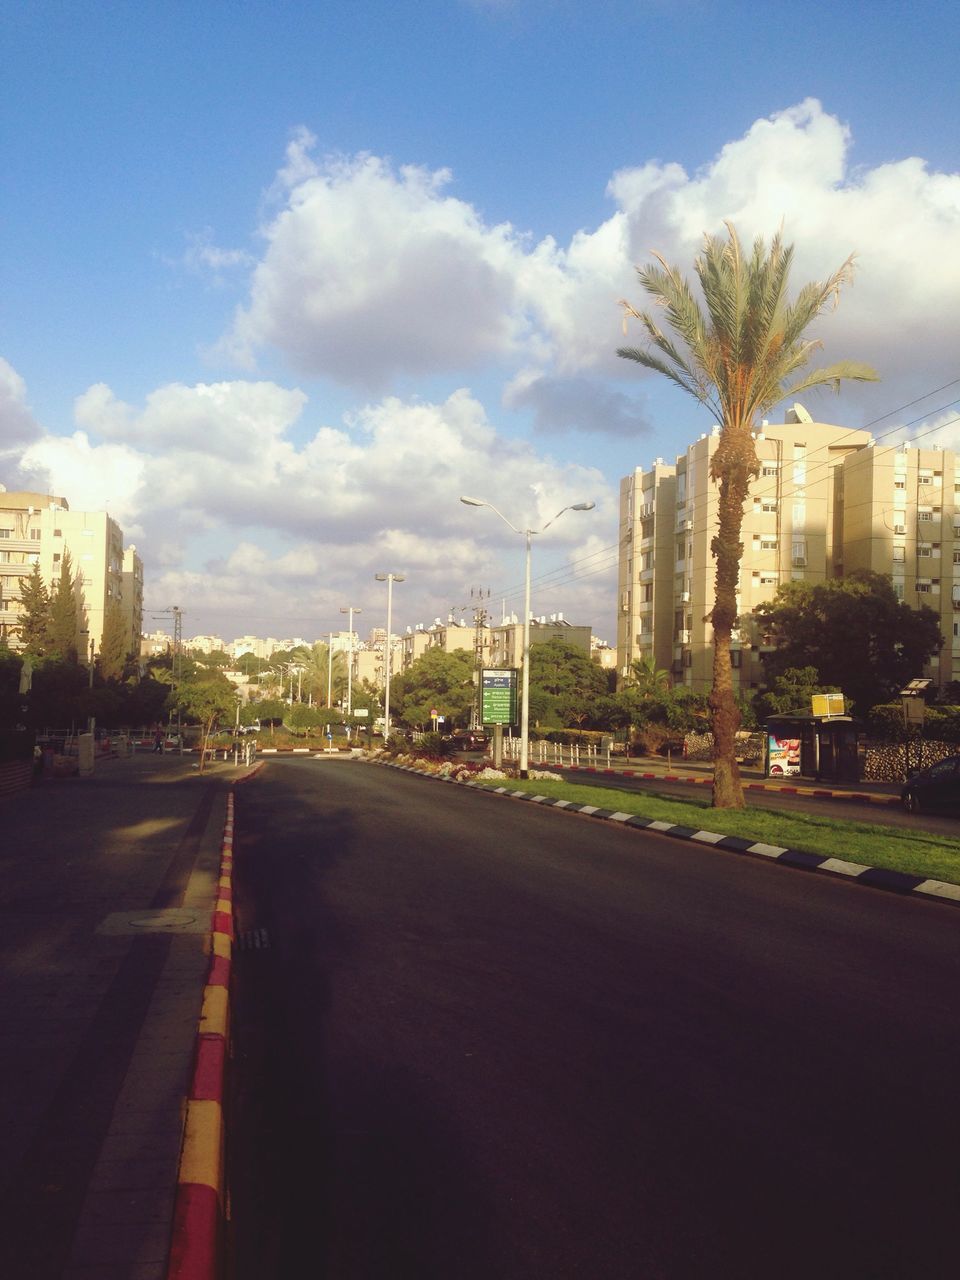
x: 649, y: 680
x: 742, y: 356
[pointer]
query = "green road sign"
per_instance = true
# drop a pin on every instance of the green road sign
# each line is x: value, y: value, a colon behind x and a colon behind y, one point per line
x: 498, y: 704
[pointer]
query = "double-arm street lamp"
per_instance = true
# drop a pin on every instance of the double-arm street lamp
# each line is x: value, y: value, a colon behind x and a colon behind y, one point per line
x: 527, y: 534
x: 389, y: 579
x: 351, y: 610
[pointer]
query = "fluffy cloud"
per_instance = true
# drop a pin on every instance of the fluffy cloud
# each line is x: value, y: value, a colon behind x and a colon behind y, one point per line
x: 18, y: 428
x: 229, y: 509
x: 371, y: 273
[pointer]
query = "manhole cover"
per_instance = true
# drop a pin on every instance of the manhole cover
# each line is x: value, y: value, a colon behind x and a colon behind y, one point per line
x: 170, y: 920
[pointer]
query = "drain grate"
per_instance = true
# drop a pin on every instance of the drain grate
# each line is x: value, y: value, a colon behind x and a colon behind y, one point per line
x: 254, y: 940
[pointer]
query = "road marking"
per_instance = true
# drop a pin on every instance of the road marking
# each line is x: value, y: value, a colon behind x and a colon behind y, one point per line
x: 620, y: 817
x: 767, y: 850
x: 707, y: 837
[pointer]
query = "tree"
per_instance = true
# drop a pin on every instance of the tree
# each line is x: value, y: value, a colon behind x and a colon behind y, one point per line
x: 571, y: 681
x: 789, y: 691
x: 113, y: 642
x: 34, y: 623
x: 854, y: 631
x: 207, y: 700
x: 740, y: 358
x: 64, y: 614
x: 436, y: 681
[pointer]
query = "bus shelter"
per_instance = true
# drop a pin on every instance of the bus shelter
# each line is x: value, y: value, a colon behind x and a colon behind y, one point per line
x: 824, y: 748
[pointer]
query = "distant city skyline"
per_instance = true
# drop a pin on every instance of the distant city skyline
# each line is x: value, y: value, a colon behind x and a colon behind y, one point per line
x: 281, y: 284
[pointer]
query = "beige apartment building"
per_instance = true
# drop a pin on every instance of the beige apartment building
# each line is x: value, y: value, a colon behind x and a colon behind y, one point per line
x: 40, y: 529
x: 828, y: 500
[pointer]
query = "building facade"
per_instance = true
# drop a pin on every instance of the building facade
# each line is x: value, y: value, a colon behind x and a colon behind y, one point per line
x: 828, y: 500
x: 39, y: 529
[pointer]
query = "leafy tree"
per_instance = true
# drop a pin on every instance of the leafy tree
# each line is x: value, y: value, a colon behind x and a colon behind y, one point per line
x: 564, y: 673
x: 790, y: 691
x: 855, y: 633
x: 745, y: 354
x: 207, y: 701
x: 113, y: 642
x: 436, y: 681
x: 215, y: 660
x: 64, y: 613
x: 34, y: 623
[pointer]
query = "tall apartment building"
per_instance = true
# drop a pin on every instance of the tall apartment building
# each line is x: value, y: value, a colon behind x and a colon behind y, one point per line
x: 828, y: 500
x: 39, y: 529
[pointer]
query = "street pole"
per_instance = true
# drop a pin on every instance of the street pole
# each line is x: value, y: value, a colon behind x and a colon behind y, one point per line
x: 525, y: 675
x: 330, y: 672
x: 351, y: 610
x: 525, y: 662
x: 389, y: 579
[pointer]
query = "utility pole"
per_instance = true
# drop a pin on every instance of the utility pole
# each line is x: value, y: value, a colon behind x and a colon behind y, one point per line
x: 479, y: 625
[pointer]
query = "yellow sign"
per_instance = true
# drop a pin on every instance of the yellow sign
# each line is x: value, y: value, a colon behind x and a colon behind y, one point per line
x: 827, y: 704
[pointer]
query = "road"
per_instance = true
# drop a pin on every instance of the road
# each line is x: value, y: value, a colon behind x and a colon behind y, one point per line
x: 491, y: 1042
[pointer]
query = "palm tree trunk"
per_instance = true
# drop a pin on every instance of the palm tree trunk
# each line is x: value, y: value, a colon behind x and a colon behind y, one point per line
x: 734, y: 462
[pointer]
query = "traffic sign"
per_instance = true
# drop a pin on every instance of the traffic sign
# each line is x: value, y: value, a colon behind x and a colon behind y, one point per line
x: 498, y: 702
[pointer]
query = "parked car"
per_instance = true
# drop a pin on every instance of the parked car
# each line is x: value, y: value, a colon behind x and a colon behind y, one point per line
x: 468, y: 740
x: 936, y: 787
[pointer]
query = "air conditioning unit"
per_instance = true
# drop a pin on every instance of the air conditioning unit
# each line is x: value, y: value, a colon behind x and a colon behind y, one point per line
x: 685, y: 597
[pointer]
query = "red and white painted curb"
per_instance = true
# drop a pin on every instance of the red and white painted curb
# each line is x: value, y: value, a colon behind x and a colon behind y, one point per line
x: 199, y: 1213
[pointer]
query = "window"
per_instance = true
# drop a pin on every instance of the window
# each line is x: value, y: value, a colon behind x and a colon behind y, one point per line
x: 956, y: 557
x: 922, y: 479
x: 5, y: 557
x: 6, y: 533
x: 923, y: 550
x: 900, y: 553
x: 924, y: 515
x: 770, y: 469
x: 35, y: 534
x: 58, y: 533
x: 923, y: 587
x: 899, y: 484
x: 768, y: 544
x: 768, y: 504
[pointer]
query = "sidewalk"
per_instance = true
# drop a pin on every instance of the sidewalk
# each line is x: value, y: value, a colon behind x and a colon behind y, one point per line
x: 106, y: 896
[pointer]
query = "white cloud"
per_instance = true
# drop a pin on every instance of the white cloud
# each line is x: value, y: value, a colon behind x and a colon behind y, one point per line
x: 18, y: 428
x: 90, y: 477
x: 373, y: 273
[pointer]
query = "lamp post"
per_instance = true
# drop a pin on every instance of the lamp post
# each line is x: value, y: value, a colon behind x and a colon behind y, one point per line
x: 389, y: 579
x: 351, y: 610
x: 527, y: 534
x: 330, y: 672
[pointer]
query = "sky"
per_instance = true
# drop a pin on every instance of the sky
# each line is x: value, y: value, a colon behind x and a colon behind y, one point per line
x: 281, y: 282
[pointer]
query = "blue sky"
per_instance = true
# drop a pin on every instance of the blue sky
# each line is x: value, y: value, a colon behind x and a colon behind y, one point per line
x: 281, y: 282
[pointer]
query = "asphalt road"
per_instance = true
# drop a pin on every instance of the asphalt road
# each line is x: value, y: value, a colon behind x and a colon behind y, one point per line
x: 490, y: 1042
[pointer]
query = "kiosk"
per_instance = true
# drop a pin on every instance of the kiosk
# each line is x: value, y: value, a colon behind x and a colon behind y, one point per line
x: 828, y: 748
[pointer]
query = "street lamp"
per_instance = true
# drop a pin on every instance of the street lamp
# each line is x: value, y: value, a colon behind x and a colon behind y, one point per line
x: 351, y: 610
x: 527, y: 534
x: 389, y: 579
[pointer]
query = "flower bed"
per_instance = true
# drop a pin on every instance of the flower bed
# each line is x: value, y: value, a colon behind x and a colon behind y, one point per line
x: 458, y: 770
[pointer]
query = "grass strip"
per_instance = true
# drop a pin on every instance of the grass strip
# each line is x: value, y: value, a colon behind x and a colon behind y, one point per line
x: 916, y: 852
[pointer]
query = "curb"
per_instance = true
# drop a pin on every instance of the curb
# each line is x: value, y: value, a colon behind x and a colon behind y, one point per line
x: 199, y: 1213
x: 874, y: 877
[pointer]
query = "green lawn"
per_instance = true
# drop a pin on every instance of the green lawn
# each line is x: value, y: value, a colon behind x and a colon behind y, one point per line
x: 872, y: 844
